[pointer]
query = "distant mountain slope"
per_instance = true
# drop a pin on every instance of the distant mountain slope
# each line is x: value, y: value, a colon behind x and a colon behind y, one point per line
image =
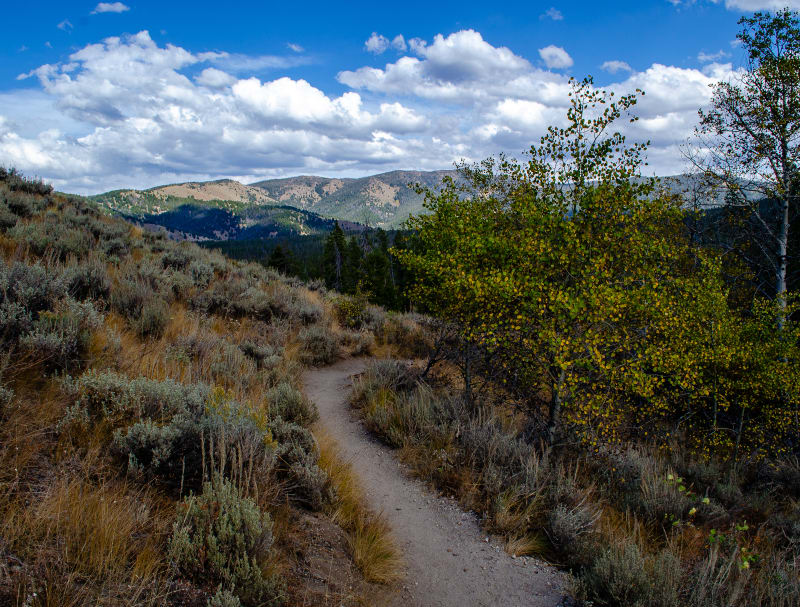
x: 296, y: 205
x: 384, y: 200
x: 205, y: 221
x: 224, y: 193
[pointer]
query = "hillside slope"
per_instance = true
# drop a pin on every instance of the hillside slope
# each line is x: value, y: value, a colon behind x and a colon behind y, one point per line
x: 384, y: 200
x: 143, y: 382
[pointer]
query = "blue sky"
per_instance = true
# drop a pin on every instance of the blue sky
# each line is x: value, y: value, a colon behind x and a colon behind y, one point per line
x: 95, y: 96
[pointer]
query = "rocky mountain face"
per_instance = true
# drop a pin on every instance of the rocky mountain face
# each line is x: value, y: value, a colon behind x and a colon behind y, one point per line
x: 384, y: 200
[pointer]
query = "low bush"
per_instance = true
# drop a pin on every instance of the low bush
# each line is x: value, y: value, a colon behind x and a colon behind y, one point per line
x: 114, y: 398
x: 7, y: 218
x: 407, y: 334
x: 297, y: 455
x: 384, y: 374
x: 201, y: 272
x: 318, y: 345
x: 290, y: 404
x: 570, y: 530
x: 223, y: 539
x: 152, y: 318
x: 88, y: 280
x: 53, y: 238
x: 265, y: 356
x: 60, y: 338
x: 224, y: 598
x: 359, y: 343
x: 22, y: 204
x: 618, y: 577
x: 16, y: 182
x: 351, y: 310
x: 146, y: 311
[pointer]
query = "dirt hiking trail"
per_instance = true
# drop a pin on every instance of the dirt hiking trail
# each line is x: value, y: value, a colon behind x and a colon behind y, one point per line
x: 449, y: 563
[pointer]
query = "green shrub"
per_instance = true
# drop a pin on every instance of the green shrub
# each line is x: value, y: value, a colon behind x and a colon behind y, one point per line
x: 570, y: 528
x: 617, y: 577
x: 223, y: 598
x: 88, y: 280
x: 288, y: 403
x: 7, y: 218
x: 128, y: 297
x: 221, y: 538
x: 351, y: 311
x: 382, y: 374
x: 308, y: 313
x: 229, y: 365
x: 359, y: 343
x: 49, y: 236
x: 25, y: 291
x: 22, y: 204
x: 146, y: 311
x: 201, y: 273
x: 106, y: 395
x: 297, y: 454
x: 318, y: 345
x: 406, y: 331
x: 152, y: 318
x: 266, y: 356
x: 177, y: 257
x: 115, y: 247
x: 16, y: 182
x: 60, y: 338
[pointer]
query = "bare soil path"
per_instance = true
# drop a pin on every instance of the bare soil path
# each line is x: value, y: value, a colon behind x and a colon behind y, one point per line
x: 449, y: 561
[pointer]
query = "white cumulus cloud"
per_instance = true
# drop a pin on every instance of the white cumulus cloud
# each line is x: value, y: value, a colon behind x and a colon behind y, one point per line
x: 376, y: 43
x: 614, y: 66
x: 110, y: 7
x: 553, y: 13
x: 555, y: 57
x: 704, y: 57
x: 128, y: 112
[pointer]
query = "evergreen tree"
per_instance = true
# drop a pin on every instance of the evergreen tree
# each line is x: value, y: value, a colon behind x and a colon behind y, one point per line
x: 333, y: 258
x: 282, y: 260
x: 352, y: 274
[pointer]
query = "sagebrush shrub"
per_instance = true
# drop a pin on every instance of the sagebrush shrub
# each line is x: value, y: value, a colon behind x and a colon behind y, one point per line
x: 17, y: 182
x: 152, y: 318
x: 318, y: 345
x: 359, y: 343
x: 21, y: 204
x: 221, y: 538
x: 618, y: 577
x: 201, y: 273
x: 60, y: 338
x: 224, y: 437
x: 223, y: 598
x: 88, y: 280
x: 7, y: 218
x: 568, y: 528
x: 25, y: 291
x: 265, y: 356
x: 288, y: 403
x: 297, y: 454
x: 61, y: 241
x: 176, y: 257
x: 107, y: 395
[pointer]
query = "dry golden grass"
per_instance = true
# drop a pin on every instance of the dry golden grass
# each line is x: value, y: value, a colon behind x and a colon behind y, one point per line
x: 369, y: 537
x: 109, y: 535
x: 526, y: 545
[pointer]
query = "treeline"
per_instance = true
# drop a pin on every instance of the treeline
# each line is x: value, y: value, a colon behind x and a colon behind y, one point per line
x: 367, y: 264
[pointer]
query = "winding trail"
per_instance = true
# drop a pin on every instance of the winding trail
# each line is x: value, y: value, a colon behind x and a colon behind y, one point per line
x: 449, y: 561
